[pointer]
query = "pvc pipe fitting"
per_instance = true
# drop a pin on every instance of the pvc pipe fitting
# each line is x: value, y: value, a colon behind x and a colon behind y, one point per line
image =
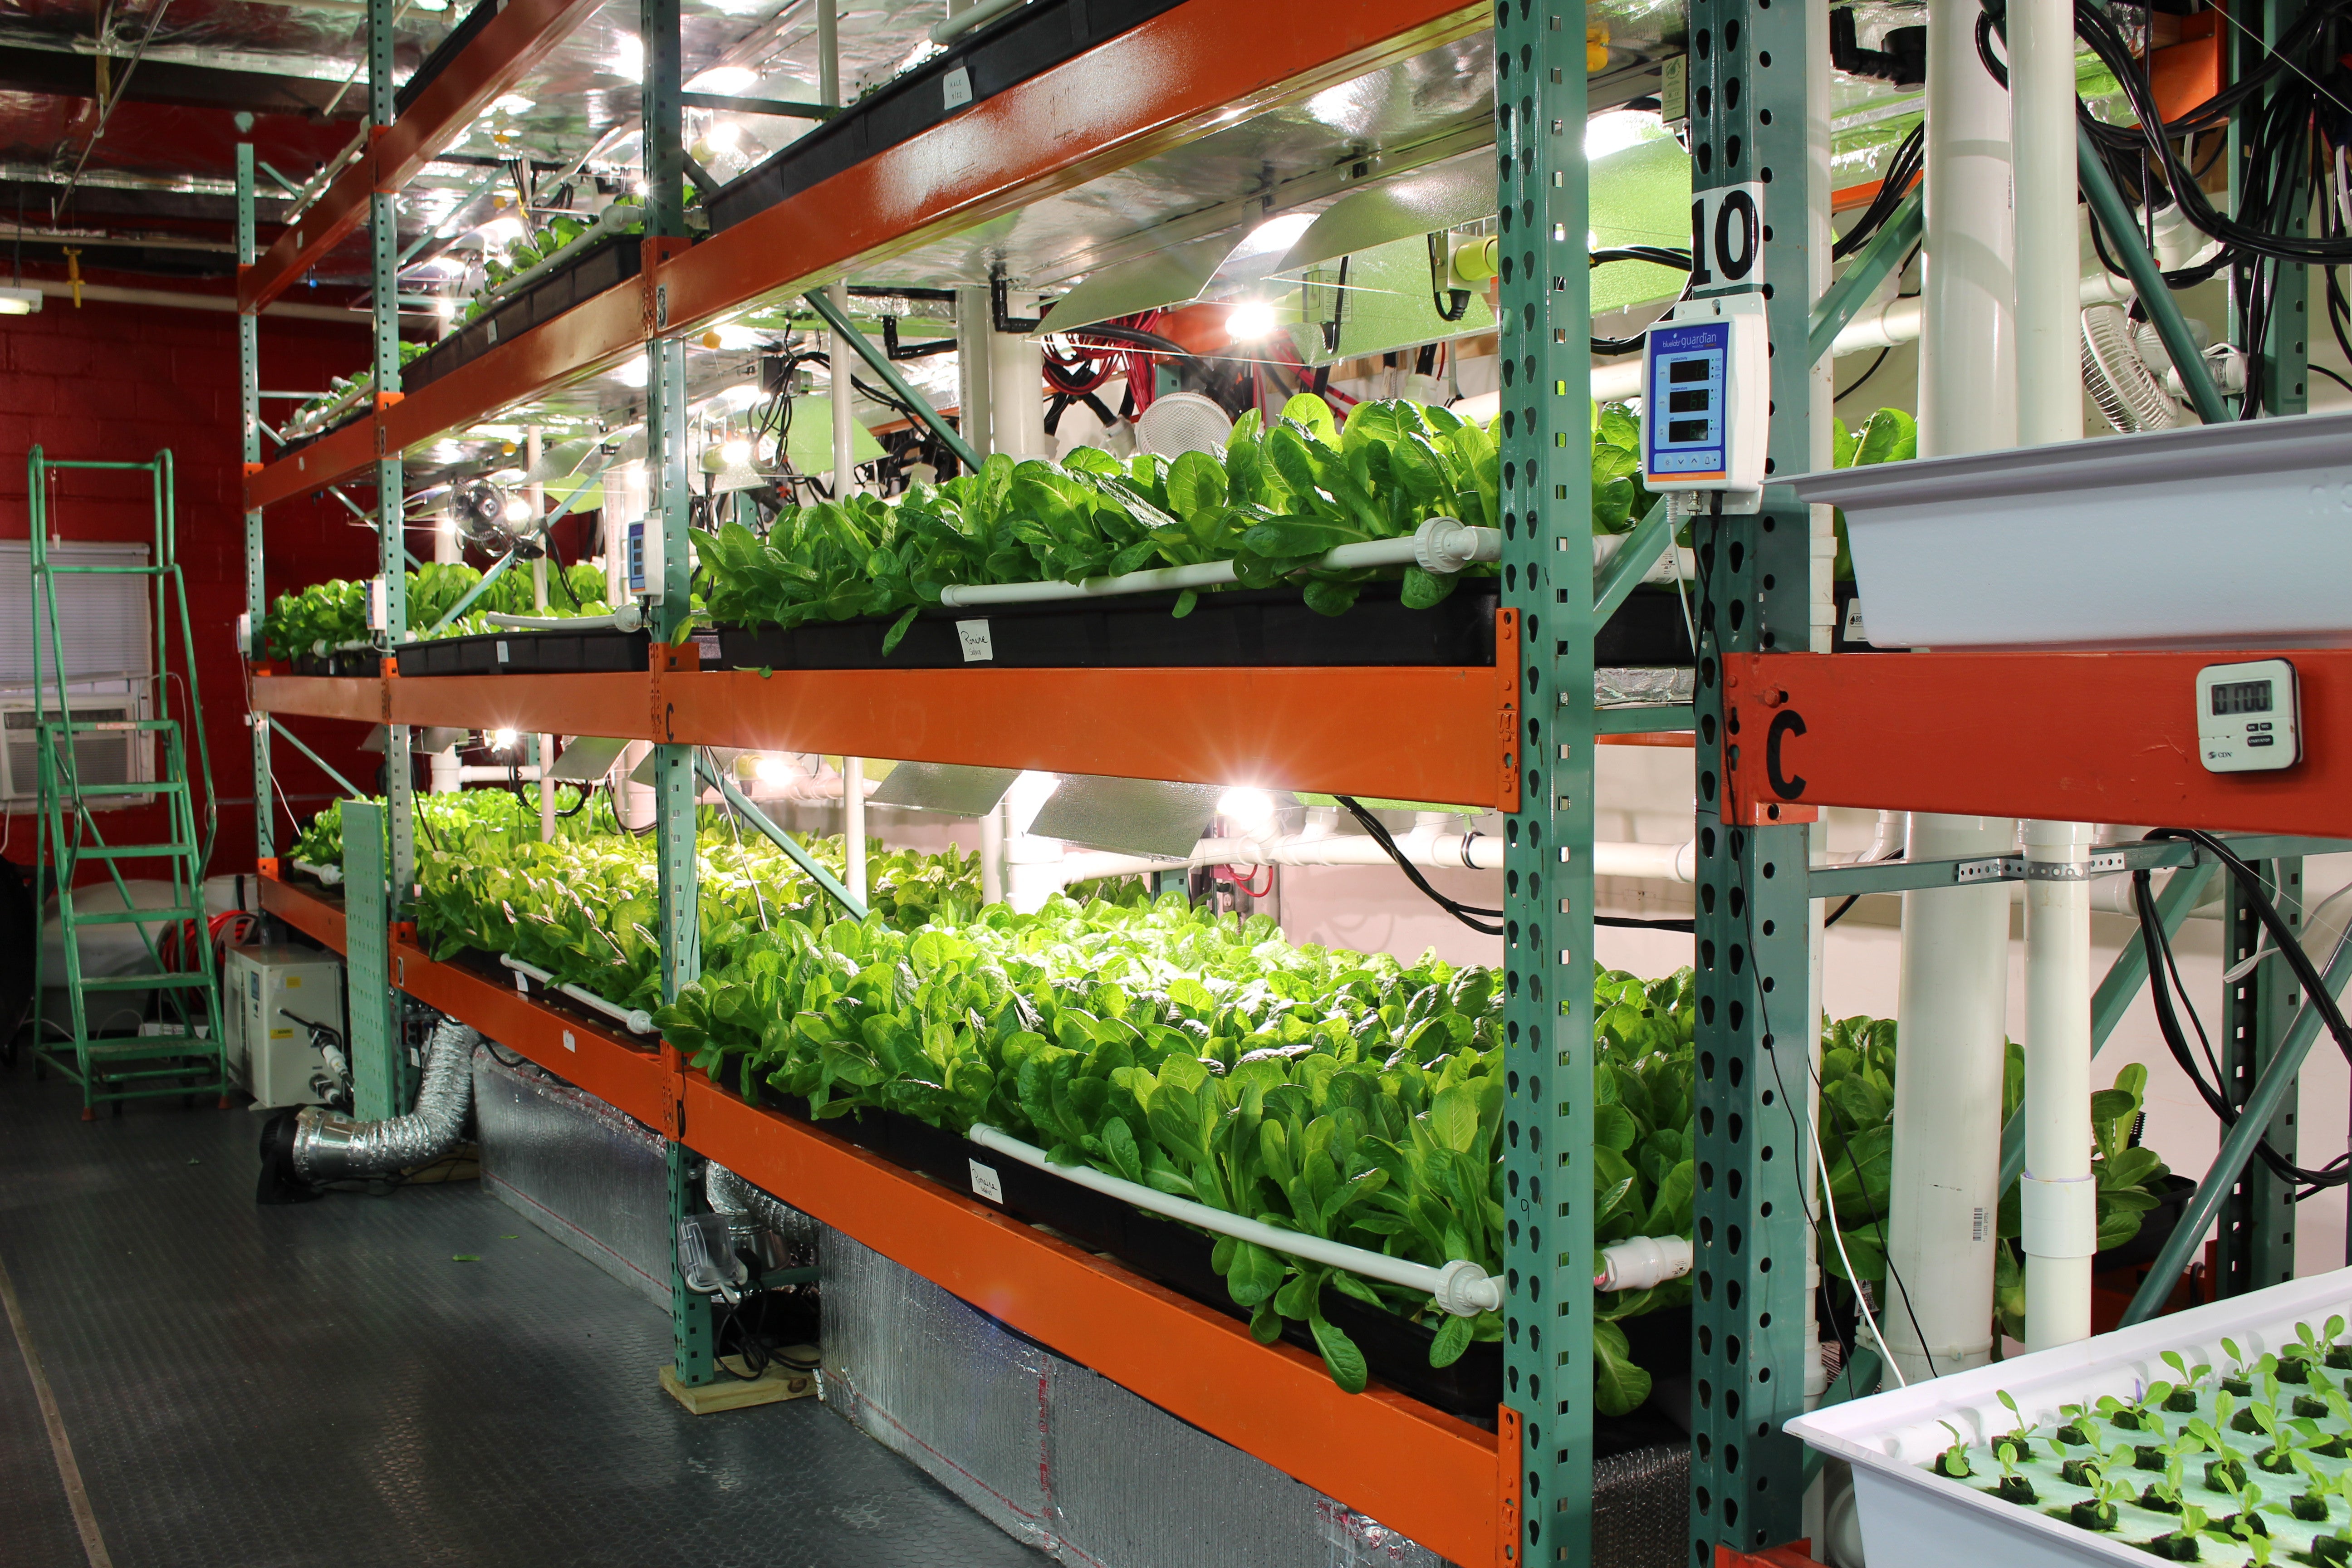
x: 1642, y: 1262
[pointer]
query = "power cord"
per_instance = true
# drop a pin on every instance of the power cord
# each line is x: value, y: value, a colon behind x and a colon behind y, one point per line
x: 1469, y: 914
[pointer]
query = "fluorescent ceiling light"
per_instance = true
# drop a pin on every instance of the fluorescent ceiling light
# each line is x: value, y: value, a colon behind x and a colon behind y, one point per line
x: 725, y: 80
x: 19, y: 301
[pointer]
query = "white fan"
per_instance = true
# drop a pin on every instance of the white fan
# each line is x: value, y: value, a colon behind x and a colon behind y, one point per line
x: 2118, y: 374
x: 1179, y: 422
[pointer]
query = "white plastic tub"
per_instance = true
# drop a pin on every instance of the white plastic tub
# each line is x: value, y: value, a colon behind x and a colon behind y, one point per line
x: 1913, y: 1518
x: 2214, y: 536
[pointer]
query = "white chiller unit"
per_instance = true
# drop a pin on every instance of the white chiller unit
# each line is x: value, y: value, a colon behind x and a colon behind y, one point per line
x: 273, y: 996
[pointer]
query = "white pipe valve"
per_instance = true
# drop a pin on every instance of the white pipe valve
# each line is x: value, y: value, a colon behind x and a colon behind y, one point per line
x: 1442, y: 546
x: 1465, y: 1289
x: 1642, y: 1262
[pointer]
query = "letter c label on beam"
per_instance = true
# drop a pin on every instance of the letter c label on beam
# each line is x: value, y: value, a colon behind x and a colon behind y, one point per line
x: 1784, y: 724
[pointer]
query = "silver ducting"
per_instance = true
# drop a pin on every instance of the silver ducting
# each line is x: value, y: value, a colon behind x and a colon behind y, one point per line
x: 729, y: 1193
x: 330, y: 1146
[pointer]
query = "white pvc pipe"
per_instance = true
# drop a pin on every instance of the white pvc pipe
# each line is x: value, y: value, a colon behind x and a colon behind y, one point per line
x: 615, y: 217
x: 1644, y: 1261
x: 973, y: 382
x: 991, y: 856
x: 1953, y: 1002
x: 636, y: 1020
x: 628, y: 618
x: 1462, y: 1287
x: 2059, y: 1200
x: 853, y: 825
x: 1440, y: 545
x: 959, y: 23
x: 1016, y: 395
x: 445, y: 774
x: 2048, y: 249
x: 1952, y: 1016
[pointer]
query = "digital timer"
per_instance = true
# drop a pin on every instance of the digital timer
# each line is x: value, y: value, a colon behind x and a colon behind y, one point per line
x: 2247, y: 717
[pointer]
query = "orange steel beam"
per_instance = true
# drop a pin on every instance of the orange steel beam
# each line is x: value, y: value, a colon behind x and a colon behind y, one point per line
x: 1401, y: 732
x: 632, y: 1079
x: 338, y: 455
x: 1416, y: 1471
x: 2070, y: 737
x: 321, y: 697
x: 1175, y: 76
x: 620, y: 705
x: 319, y: 919
x: 521, y: 34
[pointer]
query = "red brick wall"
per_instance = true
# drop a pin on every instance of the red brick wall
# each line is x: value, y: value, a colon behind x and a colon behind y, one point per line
x: 114, y: 381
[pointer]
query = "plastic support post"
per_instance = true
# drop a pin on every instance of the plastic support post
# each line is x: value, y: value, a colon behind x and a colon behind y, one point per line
x: 2257, y: 1229
x: 1751, y: 1324
x: 1548, y: 1054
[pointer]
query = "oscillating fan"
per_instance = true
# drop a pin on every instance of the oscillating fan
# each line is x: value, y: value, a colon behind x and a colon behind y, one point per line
x: 2116, y: 374
x: 1179, y: 422
x: 491, y: 519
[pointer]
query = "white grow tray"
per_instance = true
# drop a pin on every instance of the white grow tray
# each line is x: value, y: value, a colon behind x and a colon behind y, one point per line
x: 2233, y: 535
x: 1913, y: 1518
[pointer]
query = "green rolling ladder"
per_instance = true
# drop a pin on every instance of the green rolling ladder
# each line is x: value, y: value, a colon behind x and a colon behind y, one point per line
x: 182, y: 1052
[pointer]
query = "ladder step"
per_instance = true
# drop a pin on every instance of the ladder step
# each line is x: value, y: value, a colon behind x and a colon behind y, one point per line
x: 52, y: 570
x: 176, y: 979
x: 149, y: 1046
x: 90, y: 726
x: 133, y: 851
x: 133, y: 917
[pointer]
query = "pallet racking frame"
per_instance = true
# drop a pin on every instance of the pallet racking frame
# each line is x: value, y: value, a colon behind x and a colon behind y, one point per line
x: 1910, y: 732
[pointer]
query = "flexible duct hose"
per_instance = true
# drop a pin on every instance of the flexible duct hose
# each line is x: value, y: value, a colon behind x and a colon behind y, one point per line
x: 330, y: 1146
x: 729, y: 1193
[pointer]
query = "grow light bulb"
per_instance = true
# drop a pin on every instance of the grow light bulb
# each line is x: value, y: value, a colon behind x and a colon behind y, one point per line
x: 502, y: 740
x: 1249, y: 320
x: 1247, y: 809
x: 736, y: 452
x: 774, y: 771
x: 517, y: 509
x: 630, y: 372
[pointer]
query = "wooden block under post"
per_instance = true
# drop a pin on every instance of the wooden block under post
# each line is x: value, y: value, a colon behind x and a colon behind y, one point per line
x: 777, y: 1384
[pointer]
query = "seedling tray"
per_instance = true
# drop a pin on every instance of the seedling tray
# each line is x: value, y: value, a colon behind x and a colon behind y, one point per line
x: 601, y: 650
x: 606, y: 264
x: 1030, y: 39
x: 1242, y: 628
x: 1178, y: 1257
x: 1913, y: 1516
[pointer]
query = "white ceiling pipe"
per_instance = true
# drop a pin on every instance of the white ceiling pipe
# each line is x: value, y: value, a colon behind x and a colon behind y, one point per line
x: 109, y: 294
x: 978, y: 15
x: 1462, y: 1287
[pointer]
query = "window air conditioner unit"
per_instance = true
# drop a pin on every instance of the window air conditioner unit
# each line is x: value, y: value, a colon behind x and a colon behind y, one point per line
x: 101, y: 756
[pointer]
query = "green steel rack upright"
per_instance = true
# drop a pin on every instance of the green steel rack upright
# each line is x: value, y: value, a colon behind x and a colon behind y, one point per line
x: 676, y: 788
x: 1752, y: 1323
x: 184, y: 1056
x: 1546, y: 322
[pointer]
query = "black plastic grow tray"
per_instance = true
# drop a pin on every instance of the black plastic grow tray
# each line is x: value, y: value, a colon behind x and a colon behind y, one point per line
x: 606, y: 264
x: 1263, y: 627
x: 1255, y: 627
x: 1175, y: 1255
x: 1002, y: 54
x: 596, y: 651
x: 364, y: 663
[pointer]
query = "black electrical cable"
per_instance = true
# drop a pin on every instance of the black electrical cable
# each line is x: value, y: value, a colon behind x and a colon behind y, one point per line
x: 1657, y: 256
x: 1902, y: 167
x: 1636, y: 922
x: 1858, y: 386
x: 1469, y: 914
x: 2322, y: 370
x: 2165, y: 976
